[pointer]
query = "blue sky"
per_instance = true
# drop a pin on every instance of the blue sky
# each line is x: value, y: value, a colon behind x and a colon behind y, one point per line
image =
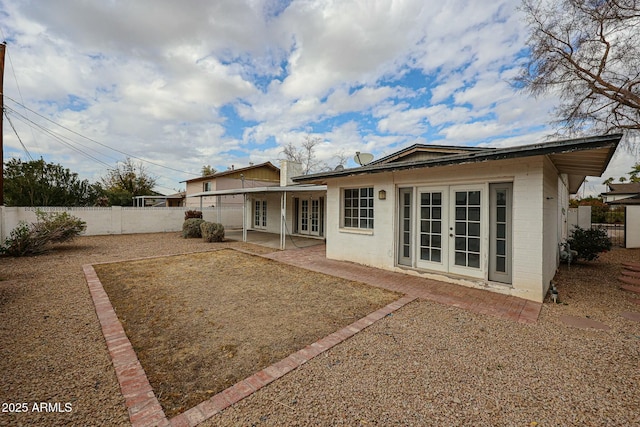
x: 187, y: 84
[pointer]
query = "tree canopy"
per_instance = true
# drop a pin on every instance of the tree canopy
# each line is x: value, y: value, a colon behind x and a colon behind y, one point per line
x: 38, y: 183
x: 589, y: 52
x: 127, y: 180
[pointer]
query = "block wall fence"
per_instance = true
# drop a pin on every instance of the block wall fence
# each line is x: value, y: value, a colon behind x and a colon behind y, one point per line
x: 121, y: 220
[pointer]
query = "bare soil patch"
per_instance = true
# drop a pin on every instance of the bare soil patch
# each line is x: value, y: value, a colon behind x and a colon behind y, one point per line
x: 201, y: 322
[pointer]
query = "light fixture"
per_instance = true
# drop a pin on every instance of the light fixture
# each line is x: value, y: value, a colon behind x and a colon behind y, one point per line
x: 382, y: 194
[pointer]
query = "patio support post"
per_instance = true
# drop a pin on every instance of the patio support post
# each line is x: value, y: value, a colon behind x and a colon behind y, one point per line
x: 219, y: 209
x: 244, y: 217
x: 283, y: 221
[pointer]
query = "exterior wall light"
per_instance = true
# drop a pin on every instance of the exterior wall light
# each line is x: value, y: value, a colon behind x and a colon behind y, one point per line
x: 382, y: 194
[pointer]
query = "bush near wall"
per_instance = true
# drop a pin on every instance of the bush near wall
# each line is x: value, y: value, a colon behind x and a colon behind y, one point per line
x: 212, y: 231
x: 36, y: 238
x: 192, y: 214
x: 191, y: 228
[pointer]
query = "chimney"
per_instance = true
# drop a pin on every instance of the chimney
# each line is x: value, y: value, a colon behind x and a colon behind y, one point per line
x: 289, y: 169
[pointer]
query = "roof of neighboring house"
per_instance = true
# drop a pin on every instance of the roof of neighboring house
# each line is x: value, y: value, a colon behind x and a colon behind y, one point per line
x: 578, y: 158
x: 634, y: 200
x: 410, y: 153
x: 274, y: 189
x: 628, y: 188
x: 231, y: 172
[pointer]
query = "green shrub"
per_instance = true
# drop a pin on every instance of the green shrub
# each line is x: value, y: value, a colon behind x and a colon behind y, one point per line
x: 589, y: 243
x: 36, y: 238
x: 212, y: 231
x: 192, y: 214
x: 191, y: 228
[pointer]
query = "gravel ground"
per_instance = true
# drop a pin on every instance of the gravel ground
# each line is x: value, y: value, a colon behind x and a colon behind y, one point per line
x: 426, y: 364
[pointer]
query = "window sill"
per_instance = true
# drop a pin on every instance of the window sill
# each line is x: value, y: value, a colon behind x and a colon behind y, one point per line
x: 361, y: 231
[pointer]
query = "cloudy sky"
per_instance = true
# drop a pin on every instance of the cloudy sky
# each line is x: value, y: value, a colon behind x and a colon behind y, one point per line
x: 228, y: 82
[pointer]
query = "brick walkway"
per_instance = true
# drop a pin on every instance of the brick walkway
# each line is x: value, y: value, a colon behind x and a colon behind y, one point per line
x: 475, y: 300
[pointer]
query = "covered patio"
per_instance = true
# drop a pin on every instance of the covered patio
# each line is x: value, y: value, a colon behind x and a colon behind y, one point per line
x: 272, y: 240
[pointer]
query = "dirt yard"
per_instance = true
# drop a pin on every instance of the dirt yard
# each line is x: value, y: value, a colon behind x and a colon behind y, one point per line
x: 427, y: 364
x: 199, y: 323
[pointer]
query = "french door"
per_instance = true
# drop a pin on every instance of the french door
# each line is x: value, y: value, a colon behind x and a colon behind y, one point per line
x: 444, y: 229
x: 310, y: 216
x: 260, y: 213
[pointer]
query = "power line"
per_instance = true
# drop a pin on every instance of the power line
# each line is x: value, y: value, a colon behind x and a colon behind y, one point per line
x: 18, y: 136
x: 15, y: 77
x: 99, y: 143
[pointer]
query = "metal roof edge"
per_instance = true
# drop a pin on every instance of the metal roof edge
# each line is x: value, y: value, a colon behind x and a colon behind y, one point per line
x: 537, y: 149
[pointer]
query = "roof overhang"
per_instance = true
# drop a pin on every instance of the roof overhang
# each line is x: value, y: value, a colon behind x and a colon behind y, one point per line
x: 273, y: 189
x: 578, y: 158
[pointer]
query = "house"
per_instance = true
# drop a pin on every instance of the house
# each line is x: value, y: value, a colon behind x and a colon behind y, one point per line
x: 260, y: 175
x: 488, y: 218
x: 622, y: 194
x: 285, y: 208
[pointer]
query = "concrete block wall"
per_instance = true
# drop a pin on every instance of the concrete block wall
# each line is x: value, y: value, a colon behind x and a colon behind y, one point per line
x: 121, y: 220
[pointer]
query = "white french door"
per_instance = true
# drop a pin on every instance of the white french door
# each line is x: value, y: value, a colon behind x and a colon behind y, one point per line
x: 309, y: 216
x: 443, y: 229
x: 467, y: 231
x: 432, y: 221
x: 259, y: 213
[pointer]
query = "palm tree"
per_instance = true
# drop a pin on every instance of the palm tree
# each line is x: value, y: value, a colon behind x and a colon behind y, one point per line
x: 608, y: 181
x: 207, y: 170
x: 634, y: 174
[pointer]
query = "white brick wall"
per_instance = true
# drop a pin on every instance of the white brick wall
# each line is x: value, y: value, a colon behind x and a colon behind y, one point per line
x: 535, y: 218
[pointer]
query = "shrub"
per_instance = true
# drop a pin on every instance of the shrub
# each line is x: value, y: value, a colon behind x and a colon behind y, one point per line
x: 36, y: 238
x: 192, y: 214
x: 212, y: 231
x: 59, y: 227
x: 589, y: 243
x: 191, y: 228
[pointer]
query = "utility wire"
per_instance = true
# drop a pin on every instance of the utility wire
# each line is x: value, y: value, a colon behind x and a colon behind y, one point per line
x: 15, y: 77
x: 16, y: 132
x: 99, y: 143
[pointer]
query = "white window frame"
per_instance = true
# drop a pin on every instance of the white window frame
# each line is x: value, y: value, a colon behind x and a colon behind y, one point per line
x: 206, y: 186
x: 354, y: 218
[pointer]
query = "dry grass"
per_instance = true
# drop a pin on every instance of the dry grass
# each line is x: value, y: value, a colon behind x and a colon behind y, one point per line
x: 201, y: 322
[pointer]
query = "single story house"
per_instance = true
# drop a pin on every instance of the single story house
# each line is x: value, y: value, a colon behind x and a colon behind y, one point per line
x: 260, y: 175
x: 622, y: 194
x: 488, y: 218
x: 285, y: 208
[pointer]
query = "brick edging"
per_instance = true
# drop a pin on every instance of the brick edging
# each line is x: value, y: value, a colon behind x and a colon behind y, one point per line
x: 142, y: 405
x: 250, y: 385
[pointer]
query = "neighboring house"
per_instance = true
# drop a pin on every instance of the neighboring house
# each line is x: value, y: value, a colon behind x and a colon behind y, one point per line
x: 284, y: 208
x: 622, y: 194
x: 488, y: 218
x: 170, y: 201
x: 261, y: 175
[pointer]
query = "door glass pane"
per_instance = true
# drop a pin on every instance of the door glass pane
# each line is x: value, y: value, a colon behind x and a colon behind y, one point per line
x: 501, y: 264
x: 474, y: 260
x: 430, y: 226
x: 467, y: 229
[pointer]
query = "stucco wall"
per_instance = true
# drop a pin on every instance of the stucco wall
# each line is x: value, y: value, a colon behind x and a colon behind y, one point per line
x: 532, y: 182
x: 121, y: 220
x: 632, y: 227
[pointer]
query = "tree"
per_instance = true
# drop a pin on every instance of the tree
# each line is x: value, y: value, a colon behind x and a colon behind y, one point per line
x: 126, y: 181
x: 38, y: 183
x: 305, y: 155
x: 208, y: 170
x: 589, y: 51
x: 634, y: 175
x: 608, y: 181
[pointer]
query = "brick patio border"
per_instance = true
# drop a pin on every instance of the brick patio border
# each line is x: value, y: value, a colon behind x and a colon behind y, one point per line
x: 142, y: 404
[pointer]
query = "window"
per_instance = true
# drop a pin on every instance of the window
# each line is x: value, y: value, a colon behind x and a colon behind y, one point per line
x: 206, y: 186
x: 358, y: 207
